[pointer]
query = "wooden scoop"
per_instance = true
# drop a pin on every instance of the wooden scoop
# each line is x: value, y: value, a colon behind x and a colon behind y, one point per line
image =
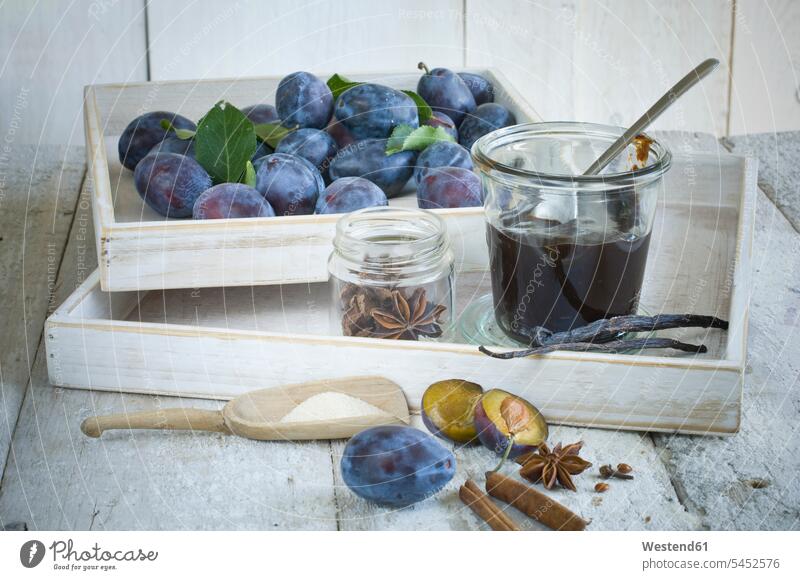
x: 257, y: 414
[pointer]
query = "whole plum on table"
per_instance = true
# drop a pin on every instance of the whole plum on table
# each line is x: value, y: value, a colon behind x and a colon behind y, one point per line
x: 231, y: 200
x: 371, y: 111
x: 170, y: 183
x: 493, y: 430
x: 449, y: 187
x: 396, y: 466
x: 289, y: 183
x: 439, y: 119
x: 349, y: 194
x: 480, y: 87
x: 485, y: 119
x: 144, y: 133
x: 175, y: 144
x: 368, y: 159
x: 261, y: 114
x: 448, y: 409
x: 446, y: 92
x: 441, y: 154
x: 316, y: 146
x: 303, y: 100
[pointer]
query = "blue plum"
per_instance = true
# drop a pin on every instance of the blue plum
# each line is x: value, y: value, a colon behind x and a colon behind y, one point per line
x: 261, y: 114
x: 170, y: 183
x: 303, y: 100
x: 396, y: 466
x: 449, y: 187
x: 231, y: 200
x: 349, y: 194
x: 340, y: 134
x: 439, y: 119
x: 446, y: 92
x: 144, y: 133
x: 486, y: 118
x: 316, y: 146
x: 368, y: 159
x: 481, y: 88
x: 175, y: 144
x: 369, y: 111
x: 289, y: 183
x: 441, y: 154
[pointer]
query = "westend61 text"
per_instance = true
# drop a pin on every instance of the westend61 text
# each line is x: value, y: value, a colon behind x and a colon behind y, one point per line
x: 674, y: 547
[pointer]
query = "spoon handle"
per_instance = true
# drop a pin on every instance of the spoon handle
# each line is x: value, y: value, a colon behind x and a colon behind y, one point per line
x: 187, y: 419
x: 692, y: 78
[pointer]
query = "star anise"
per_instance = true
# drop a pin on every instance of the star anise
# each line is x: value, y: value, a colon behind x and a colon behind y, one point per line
x: 358, y: 302
x: 409, y: 319
x: 558, y: 465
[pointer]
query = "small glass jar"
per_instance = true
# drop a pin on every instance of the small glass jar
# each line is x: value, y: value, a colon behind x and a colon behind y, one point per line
x: 392, y: 275
x: 566, y: 249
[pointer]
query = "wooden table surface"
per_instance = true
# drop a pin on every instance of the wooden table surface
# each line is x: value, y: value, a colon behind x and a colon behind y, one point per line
x: 55, y: 478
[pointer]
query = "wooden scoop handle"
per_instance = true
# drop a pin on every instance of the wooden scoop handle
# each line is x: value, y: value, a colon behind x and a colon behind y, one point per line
x: 188, y: 419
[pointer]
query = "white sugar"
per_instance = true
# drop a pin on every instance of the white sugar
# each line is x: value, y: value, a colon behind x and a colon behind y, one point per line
x: 328, y: 406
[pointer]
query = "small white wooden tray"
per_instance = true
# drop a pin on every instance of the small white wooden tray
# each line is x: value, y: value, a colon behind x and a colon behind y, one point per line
x: 218, y: 343
x: 141, y: 250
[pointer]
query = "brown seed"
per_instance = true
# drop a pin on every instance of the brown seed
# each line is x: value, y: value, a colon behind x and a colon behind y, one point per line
x: 624, y: 468
x: 601, y: 487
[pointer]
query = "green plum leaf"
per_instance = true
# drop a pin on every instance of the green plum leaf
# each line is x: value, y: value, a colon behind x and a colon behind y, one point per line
x: 181, y: 133
x: 224, y: 143
x: 405, y: 138
x: 423, y: 109
x: 272, y: 133
x: 249, y: 175
x: 339, y: 84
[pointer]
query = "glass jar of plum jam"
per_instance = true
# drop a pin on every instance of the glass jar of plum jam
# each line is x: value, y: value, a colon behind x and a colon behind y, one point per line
x: 566, y: 249
x: 392, y: 275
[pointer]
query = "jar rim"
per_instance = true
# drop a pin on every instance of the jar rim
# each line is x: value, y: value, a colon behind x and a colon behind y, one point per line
x: 423, y: 238
x: 482, y: 157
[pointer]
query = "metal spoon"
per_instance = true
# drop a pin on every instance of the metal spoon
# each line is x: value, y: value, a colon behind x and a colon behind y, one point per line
x: 692, y: 78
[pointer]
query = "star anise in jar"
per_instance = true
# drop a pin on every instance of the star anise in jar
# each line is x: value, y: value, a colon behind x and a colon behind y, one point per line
x: 358, y: 302
x: 409, y: 319
x: 556, y: 466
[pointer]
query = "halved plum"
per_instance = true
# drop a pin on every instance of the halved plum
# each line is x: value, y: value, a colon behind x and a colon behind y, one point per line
x: 448, y: 409
x: 499, y: 415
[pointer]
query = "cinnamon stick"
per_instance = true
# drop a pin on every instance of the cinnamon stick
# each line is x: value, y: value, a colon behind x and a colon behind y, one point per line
x: 533, y: 503
x: 485, y: 508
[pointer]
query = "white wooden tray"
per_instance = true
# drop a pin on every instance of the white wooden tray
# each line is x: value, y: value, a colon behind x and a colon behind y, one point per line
x: 140, y: 250
x: 218, y: 343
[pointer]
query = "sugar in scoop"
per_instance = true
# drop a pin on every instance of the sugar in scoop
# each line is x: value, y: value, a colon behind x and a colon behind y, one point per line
x: 328, y: 406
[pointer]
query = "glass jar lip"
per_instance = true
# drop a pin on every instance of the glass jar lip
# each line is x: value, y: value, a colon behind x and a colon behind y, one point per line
x: 434, y: 238
x: 481, y: 157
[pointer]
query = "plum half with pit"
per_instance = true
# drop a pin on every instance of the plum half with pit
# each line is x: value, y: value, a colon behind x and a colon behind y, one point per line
x: 368, y: 159
x: 485, y: 119
x: 448, y: 409
x: 441, y: 154
x: 503, y: 419
x: 289, y: 183
x: 144, y: 133
x: 448, y: 188
x: 231, y: 200
x: 372, y: 111
x: 349, y: 194
x: 303, y: 100
x: 395, y: 465
x: 170, y: 183
x: 446, y: 92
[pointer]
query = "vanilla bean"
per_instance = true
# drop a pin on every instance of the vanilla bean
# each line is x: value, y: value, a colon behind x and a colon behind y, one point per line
x: 609, y: 329
x: 615, y: 346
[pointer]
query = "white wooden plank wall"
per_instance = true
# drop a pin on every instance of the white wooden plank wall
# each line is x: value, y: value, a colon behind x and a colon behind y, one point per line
x: 591, y: 60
